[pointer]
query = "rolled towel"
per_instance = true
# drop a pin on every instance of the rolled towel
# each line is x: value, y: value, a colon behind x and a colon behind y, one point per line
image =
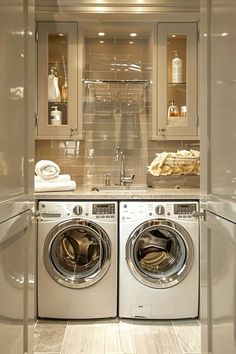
x: 55, y: 186
x: 47, y: 169
x: 59, y: 178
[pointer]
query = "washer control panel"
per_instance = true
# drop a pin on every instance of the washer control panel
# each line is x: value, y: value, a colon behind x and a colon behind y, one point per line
x: 104, y: 211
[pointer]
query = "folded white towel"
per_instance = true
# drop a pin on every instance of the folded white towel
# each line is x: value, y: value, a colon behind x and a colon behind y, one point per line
x: 47, y: 169
x: 55, y: 186
x: 59, y: 178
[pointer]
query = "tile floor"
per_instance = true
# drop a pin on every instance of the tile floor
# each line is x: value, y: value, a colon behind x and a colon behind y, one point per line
x: 117, y: 337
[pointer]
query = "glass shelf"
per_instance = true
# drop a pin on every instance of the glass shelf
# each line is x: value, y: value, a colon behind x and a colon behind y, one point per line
x: 58, y: 103
x: 177, y: 84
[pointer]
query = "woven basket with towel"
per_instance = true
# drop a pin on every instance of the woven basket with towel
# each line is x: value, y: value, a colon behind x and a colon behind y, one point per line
x: 182, y: 162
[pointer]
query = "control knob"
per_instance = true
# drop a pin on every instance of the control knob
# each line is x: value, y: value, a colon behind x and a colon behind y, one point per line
x: 160, y: 210
x: 77, y: 210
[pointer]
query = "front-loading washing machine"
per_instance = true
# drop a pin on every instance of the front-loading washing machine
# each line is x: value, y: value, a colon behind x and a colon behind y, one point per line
x: 159, y: 260
x: 77, y: 259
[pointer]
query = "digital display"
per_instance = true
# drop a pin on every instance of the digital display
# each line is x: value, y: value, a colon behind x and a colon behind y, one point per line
x: 184, y: 208
x: 103, y: 208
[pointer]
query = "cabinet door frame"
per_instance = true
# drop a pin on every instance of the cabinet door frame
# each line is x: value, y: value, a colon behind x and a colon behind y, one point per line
x: 44, y: 130
x: 160, y: 128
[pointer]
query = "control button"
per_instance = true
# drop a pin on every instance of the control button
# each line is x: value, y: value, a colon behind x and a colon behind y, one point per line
x: 125, y: 206
x: 103, y: 216
x: 150, y: 214
x: 77, y: 210
x: 168, y: 213
x: 160, y: 210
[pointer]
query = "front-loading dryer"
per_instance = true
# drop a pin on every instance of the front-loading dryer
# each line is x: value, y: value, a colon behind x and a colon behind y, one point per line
x: 77, y: 259
x: 159, y: 260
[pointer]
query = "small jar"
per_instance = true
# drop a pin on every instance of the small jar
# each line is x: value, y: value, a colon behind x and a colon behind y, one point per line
x: 55, y: 116
x: 183, y: 111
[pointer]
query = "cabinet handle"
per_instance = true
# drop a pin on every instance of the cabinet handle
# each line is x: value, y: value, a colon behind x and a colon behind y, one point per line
x: 72, y: 131
x: 36, y: 117
x: 162, y: 131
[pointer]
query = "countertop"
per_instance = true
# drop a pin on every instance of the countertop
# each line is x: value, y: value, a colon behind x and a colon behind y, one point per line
x: 149, y: 193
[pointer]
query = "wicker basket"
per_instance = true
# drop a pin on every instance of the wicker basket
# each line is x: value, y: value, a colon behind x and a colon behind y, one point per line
x: 181, y: 160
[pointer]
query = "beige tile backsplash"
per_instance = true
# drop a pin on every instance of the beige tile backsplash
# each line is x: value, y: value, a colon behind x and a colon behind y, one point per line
x: 114, y: 114
x: 95, y: 158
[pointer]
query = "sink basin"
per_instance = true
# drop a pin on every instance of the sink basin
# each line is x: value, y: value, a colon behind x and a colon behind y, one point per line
x: 116, y: 188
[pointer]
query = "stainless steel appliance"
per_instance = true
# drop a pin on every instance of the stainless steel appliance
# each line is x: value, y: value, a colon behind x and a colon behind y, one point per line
x: 159, y: 260
x: 77, y: 259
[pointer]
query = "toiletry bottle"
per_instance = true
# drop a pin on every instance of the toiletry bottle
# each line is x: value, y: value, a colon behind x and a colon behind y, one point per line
x: 177, y: 65
x: 55, y: 116
x: 173, y: 111
x: 54, y: 94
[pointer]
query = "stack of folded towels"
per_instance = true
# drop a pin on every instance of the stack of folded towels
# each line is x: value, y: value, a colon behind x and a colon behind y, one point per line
x: 48, y: 178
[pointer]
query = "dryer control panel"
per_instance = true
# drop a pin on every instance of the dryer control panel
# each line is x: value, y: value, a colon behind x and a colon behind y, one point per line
x: 158, y: 209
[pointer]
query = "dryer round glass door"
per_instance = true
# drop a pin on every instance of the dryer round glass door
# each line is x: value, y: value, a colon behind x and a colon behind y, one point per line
x: 159, y: 253
x: 77, y: 253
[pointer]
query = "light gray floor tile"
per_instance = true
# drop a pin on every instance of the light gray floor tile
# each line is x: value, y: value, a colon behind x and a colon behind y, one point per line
x: 87, y: 337
x: 156, y: 337
x: 48, y: 336
x: 188, y: 333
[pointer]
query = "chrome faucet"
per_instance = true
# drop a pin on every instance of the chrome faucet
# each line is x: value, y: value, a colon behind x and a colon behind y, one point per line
x: 119, y: 155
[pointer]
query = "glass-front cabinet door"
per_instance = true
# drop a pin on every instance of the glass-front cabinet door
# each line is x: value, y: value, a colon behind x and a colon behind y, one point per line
x: 57, y: 80
x: 177, y: 80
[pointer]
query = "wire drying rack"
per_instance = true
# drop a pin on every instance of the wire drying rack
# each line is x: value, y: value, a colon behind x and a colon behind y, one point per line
x: 121, y: 95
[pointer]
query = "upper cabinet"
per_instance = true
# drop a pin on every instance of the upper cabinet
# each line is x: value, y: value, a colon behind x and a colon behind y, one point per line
x: 175, y: 90
x: 58, y: 76
x: 80, y: 73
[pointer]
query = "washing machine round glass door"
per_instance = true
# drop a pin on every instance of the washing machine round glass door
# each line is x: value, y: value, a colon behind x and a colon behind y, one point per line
x: 159, y: 253
x: 77, y: 253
